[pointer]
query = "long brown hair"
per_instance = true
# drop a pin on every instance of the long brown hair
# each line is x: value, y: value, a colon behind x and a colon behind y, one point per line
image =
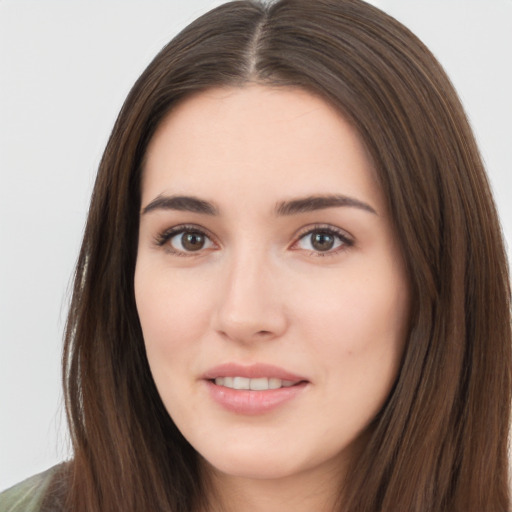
x: 440, y: 441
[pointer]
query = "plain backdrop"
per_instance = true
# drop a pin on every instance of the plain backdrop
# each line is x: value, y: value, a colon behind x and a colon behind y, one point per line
x: 65, y: 69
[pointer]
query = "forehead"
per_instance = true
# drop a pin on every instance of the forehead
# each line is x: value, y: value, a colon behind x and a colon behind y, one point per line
x: 257, y: 139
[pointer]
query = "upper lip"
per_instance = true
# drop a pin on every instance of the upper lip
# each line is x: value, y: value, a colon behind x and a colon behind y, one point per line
x: 251, y: 371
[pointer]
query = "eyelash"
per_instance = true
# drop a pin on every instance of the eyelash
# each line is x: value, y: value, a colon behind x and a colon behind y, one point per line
x: 168, y: 234
x: 346, y: 241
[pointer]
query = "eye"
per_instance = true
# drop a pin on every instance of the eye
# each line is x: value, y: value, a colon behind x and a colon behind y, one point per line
x: 323, y: 241
x: 183, y: 240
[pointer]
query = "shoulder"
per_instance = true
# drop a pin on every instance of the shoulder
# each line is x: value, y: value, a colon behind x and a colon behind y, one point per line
x: 27, y: 496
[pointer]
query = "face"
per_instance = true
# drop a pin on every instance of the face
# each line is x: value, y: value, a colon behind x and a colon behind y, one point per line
x: 269, y: 285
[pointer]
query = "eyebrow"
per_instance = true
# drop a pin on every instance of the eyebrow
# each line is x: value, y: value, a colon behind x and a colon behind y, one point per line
x: 283, y: 208
x: 312, y: 203
x: 181, y: 203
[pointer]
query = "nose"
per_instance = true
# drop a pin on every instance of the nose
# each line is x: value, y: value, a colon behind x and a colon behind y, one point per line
x: 251, y: 305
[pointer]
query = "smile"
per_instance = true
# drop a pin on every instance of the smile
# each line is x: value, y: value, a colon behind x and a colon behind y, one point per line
x: 253, y: 389
x: 257, y: 384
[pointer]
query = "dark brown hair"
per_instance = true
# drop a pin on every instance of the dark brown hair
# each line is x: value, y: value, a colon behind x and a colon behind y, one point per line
x: 440, y: 442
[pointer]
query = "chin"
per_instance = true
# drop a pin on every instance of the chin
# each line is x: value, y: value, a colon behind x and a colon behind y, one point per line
x: 257, y: 468
x: 267, y: 464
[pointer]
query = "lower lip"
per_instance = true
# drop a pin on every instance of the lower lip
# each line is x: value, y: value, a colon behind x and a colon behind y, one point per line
x: 244, y: 401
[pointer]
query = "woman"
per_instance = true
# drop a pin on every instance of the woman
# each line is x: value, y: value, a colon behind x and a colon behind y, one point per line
x: 292, y: 291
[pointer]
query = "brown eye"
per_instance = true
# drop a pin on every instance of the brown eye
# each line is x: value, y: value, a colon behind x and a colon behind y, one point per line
x: 189, y: 241
x: 192, y: 241
x: 322, y: 241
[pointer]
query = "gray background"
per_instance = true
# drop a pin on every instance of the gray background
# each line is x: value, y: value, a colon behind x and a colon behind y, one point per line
x: 65, y: 69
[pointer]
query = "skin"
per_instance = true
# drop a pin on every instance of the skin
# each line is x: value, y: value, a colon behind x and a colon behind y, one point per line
x: 260, y: 291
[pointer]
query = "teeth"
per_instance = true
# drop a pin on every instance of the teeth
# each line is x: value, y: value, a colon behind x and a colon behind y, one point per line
x: 241, y: 383
x: 259, y: 384
x: 274, y: 383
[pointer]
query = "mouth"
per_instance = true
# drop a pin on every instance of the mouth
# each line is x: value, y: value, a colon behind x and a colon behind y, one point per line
x: 253, y: 389
x: 255, y: 377
x: 254, y: 384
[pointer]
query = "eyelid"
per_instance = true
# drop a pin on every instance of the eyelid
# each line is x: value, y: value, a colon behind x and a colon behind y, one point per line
x: 346, y: 239
x: 164, y: 236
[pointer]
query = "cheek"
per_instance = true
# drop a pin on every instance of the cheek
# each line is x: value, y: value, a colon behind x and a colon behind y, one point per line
x: 171, y: 319
x: 359, y: 324
x: 173, y: 326
x: 346, y: 309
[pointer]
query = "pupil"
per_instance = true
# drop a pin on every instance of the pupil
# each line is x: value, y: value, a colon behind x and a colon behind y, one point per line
x: 322, y: 241
x: 192, y: 241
